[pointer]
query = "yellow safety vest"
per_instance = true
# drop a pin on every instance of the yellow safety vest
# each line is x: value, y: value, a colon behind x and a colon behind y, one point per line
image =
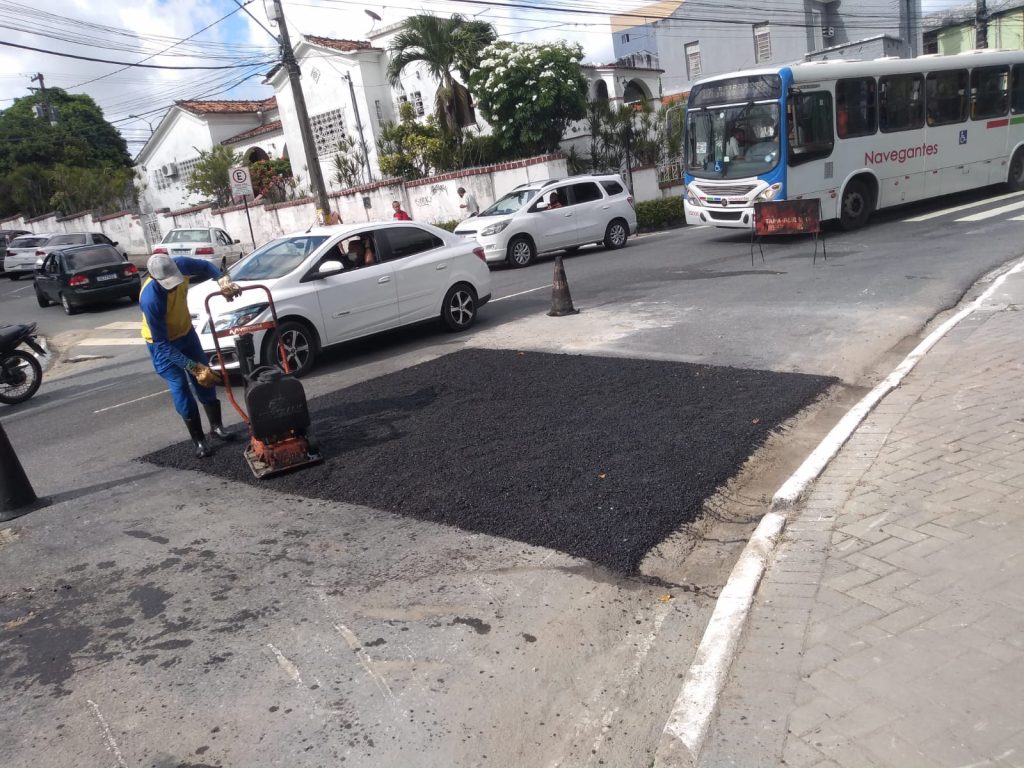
x: 177, y: 318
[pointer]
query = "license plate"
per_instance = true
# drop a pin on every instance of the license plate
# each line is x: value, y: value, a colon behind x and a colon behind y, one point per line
x: 181, y: 251
x: 105, y: 277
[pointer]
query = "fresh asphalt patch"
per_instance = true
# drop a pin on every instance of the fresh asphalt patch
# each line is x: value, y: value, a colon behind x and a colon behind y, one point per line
x: 601, y: 458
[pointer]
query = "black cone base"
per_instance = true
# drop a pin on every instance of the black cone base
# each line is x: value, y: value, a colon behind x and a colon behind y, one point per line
x: 15, y: 490
x: 561, y: 299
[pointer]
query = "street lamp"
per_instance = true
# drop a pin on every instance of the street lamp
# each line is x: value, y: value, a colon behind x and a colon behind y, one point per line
x: 147, y: 122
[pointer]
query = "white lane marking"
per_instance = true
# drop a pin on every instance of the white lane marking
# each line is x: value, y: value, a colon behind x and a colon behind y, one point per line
x: 112, y: 341
x: 993, y: 213
x: 690, y: 719
x: 108, y: 736
x: 1017, y: 218
x: 958, y: 208
x: 365, y: 661
x: 521, y: 293
x: 286, y: 664
x: 120, y: 325
x: 129, y: 402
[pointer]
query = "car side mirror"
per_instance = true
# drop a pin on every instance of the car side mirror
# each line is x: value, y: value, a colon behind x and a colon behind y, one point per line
x: 115, y: 242
x: 237, y: 242
x: 330, y: 267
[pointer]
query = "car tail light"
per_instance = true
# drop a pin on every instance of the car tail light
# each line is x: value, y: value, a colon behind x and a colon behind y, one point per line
x: 630, y: 199
x: 479, y: 253
x: 41, y: 254
x: 160, y: 250
x: 78, y: 280
x: 131, y: 269
x: 205, y: 251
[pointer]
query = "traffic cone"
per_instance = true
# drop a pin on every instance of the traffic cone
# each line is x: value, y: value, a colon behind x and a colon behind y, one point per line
x: 15, y: 489
x: 561, y: 300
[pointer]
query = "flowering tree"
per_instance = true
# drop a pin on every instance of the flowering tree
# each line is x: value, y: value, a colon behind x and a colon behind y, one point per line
x: 529, y: 93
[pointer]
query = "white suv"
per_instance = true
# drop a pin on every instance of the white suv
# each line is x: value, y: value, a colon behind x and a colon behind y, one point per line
x: 550, y: 215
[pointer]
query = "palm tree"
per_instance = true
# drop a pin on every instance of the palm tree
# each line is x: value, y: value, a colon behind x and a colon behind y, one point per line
x: 442, y: 45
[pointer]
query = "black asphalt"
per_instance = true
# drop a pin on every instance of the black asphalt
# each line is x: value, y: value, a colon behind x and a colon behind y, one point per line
x: 598, y: 457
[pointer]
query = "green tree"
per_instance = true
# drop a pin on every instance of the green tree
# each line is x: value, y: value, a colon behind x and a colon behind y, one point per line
x: 442, y: 46
x: 104, y: 190
x: 349, y: 163
x: 529, y: 93
x: 272, y: 179
x: 409, y: 149
x: 211, y: 177
x: 79, y: 138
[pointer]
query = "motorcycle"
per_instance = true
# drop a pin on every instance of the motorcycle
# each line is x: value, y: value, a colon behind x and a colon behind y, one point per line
x: 20, y: 371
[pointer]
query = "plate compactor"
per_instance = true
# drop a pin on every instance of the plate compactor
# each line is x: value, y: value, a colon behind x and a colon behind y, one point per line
x: 280, y: 439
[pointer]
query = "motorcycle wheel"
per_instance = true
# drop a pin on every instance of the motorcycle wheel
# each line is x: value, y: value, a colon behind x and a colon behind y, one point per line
x: 20, y: 377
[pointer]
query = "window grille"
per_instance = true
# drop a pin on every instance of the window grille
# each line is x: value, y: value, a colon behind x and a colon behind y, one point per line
x: 694, y: 71
x: 417, y: 103
x: 762, y: 43
x: 328, y: 128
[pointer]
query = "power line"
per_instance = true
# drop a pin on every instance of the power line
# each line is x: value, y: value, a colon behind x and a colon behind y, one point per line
x: 128, y: 63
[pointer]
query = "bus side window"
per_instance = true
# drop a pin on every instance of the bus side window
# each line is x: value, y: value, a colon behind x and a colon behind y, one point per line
x: 811, y: 134
x: 856, y: 107
x: 989, y: 92
x: 946, y: 97
x: 900, y: 103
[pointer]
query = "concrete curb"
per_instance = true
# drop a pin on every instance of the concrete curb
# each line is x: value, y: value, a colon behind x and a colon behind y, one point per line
x: 690, y: 720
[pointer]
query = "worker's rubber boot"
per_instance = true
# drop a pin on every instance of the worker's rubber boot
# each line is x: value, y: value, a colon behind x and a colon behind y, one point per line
x: 195, y: 431
x: 216, y: 425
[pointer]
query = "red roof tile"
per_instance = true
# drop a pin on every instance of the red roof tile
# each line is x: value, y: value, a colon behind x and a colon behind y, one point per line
x: 227, y: 107
x: 252, y: 132
x: 340, y: 45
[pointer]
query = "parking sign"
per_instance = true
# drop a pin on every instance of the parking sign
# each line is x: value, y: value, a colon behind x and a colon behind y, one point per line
x: 241, y: 183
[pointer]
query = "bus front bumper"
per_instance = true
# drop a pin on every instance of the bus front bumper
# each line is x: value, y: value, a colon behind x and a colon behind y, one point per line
x: 737, y: 217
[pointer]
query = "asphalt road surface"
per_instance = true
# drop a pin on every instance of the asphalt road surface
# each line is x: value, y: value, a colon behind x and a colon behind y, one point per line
x: 153, y: 616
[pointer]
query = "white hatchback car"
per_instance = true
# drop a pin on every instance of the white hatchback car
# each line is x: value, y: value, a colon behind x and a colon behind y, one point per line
x: 209, y: 243
x: 552, y: 215
x: 334, y: 284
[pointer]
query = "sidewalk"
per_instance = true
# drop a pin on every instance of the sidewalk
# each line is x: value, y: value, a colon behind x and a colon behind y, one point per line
x: 889, y: 627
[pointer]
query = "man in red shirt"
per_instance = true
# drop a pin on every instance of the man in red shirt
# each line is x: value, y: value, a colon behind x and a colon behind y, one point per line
x: 399, y: 213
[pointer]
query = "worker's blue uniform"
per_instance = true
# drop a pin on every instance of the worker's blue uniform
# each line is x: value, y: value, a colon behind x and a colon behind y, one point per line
x: 172, y: 341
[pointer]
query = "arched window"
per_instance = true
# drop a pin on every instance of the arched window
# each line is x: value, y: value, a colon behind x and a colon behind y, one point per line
x: 635, y: 91
x: 600, y: 91
x: 256, y: 155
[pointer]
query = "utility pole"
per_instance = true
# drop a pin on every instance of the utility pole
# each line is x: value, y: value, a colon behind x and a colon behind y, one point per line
x: 359, y: 127
x: 291, y: 66
x: 44, y: 110
x: 980, y: 24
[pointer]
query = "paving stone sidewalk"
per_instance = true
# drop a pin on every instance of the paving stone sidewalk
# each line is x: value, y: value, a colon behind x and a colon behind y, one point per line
x: 889, y: 627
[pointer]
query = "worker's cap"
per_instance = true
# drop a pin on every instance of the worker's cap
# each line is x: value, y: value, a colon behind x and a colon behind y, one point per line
x: 163, y: 269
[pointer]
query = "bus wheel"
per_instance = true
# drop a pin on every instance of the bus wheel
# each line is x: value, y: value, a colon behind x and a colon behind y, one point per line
x: 1016, y: 177
x: 856, y: 206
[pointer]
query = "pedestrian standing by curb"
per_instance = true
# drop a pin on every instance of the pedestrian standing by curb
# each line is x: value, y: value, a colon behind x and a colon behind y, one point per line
x: 399, y: 213
x: 174, y: 345
x: 468, y: 202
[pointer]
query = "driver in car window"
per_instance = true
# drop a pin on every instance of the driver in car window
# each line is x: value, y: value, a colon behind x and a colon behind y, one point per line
x: 369, y: 254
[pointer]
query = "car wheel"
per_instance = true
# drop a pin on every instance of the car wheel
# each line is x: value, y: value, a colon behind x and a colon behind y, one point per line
x: 13, y: 275
x: 299, y: 347
x: 459, y: 308
x: 521, y: 251
x: 69, y: 308
x: 41, y: 299
x: 616, y: 234
x: 856, y: 206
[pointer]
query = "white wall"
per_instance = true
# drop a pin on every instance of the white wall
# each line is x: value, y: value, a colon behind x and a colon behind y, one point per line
x: 124, y: 228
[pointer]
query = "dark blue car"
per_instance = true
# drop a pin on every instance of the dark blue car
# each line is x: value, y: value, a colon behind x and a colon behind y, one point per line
x: 86, y: 274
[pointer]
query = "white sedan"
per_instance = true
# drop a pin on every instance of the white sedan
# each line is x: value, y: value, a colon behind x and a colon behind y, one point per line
x: 334, y: 284
x: 209, y: 243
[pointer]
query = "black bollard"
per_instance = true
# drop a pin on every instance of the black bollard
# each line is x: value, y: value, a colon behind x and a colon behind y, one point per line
x: 15, y: 489
x: 561, y: 300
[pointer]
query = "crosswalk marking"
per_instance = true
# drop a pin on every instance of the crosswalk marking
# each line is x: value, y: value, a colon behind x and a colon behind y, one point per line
x: 993, y: 213
x: 120, y: 325
x: 958, y: 208
x: 1017, y: 218
x: 112, y: 341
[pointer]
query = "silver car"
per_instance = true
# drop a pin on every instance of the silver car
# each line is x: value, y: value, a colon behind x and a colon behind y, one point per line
x: 209, y: 243
x: 21, y: 255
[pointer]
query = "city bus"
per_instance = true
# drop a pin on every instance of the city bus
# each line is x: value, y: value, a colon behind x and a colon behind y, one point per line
x: 857, y: 135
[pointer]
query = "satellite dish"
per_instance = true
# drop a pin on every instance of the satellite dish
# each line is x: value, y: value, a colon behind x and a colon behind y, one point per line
x: 371, y: 14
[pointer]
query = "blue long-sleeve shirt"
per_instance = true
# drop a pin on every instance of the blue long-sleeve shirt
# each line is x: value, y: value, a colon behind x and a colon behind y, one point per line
x: 165, y: 315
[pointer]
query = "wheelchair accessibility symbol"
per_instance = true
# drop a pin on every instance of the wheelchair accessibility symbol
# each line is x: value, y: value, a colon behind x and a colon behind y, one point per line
x: 718, y: 166
x: 963, y: 136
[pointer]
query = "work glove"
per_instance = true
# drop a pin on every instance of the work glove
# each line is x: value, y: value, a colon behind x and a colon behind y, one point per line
x: 205, y: 375
x: 229, y: 289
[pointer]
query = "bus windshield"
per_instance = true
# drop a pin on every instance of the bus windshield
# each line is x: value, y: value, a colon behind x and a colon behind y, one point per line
x: 733, y: 141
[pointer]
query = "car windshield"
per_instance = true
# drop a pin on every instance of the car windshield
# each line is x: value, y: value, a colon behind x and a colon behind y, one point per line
x: 87, y: 258
x: 276, y: 258
x: 27, y: 242
x: 734, y: 141
x: 187, y: 236
x: 66, y: 240
x: 511, y: 202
